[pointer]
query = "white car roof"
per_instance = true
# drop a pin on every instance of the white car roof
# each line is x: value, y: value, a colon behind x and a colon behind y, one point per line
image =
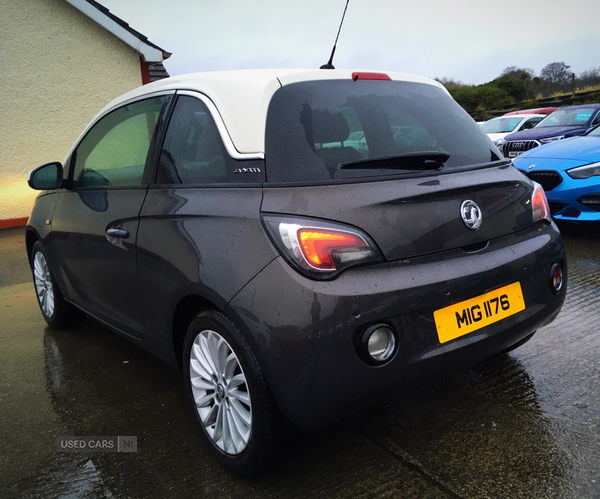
x: 242, y: 97
x: 518, y: 116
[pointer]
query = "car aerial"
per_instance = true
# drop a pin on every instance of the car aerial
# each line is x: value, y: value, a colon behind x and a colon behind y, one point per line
x: 538, y: 110
x: 201, y: 218
x: 564, y: 122
x: 498, y: 128
x: 569, y: 172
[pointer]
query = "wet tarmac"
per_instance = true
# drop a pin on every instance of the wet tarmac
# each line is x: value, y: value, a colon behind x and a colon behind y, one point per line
x: 522, y: 425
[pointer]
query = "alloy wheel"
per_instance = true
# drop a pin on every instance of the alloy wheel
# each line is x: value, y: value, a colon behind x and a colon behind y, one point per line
x: 43, y: 284
x: 220, y: 391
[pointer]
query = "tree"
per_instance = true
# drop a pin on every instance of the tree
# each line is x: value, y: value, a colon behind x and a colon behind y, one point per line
x: 449, y: 82
x: 516, y: 72
x: 487, y: 96
x: 515, y: 87
x: 538, y: 85
x: 557, y: 74
x: 590, y: 77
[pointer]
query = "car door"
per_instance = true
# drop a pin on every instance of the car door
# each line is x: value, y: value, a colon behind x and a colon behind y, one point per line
x: 94, y: 228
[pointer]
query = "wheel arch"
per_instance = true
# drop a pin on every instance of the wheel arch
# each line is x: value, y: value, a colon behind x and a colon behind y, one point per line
x: 184, y: 313
x: 188, y: 307
x: 31, y: 237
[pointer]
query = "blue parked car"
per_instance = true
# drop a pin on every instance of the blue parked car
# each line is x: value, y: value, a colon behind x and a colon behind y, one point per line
x: 569, y: 172
x: 565, y: 122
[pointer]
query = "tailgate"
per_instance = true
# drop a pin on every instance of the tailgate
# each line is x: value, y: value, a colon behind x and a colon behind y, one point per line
x: 415, y: 216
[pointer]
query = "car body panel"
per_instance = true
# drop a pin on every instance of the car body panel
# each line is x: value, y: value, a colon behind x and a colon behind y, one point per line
x: 202, y: 233
x: 537, y: 110
x: 415, y: 216
x: 313, y: 369
x: 547, y: 132
x: 192, y: 247
x: 582, y: 150
x: 90, y: 261
x: 557, y: 158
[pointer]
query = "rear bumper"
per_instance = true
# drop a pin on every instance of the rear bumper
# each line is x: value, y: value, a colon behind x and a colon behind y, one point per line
x: 303, y: 331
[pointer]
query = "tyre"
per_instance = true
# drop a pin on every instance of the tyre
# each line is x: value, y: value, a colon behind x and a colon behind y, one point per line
x: 229, y: 396
x: 56, y: 311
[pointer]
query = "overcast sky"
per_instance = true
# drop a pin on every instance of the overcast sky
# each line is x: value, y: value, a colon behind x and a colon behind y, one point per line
x: 467, y: 40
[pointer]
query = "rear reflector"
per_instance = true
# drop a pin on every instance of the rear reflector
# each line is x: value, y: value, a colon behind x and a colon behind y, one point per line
x: 370, y: 76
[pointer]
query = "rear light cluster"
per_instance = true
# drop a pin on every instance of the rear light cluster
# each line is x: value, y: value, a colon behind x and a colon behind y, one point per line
x: 319, y: 249
x: 539, y: 204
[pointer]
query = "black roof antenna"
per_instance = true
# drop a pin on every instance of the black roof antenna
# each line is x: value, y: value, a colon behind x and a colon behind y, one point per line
x: 329, y: 65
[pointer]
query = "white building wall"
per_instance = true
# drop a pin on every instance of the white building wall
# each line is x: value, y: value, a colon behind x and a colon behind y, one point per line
x: 58, y: 68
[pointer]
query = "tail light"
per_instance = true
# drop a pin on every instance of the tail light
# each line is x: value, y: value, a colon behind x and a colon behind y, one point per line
x: 319, y: 249
x: 539, y: 204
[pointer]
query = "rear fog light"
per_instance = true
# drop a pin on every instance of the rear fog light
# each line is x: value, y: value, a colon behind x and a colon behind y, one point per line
x: 556, y: 278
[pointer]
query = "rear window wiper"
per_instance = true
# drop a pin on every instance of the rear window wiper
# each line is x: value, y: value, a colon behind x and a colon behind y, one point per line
x: 426, y: 160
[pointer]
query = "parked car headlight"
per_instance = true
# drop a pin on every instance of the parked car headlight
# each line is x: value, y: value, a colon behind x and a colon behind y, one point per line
x: 499, y: 142
x: 587, y: 171
x: 552, y: 139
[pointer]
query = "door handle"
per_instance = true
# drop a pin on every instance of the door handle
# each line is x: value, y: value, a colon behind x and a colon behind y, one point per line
x: 118, y: 231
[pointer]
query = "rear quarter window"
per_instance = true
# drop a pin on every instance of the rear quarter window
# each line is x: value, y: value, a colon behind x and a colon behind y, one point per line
x: 193, y: 152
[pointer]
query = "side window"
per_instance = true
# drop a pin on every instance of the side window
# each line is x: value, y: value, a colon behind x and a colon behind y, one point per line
x: 114, y: 151
x: 596, y: 119
x: 531, y: 122
x: 193, y: 152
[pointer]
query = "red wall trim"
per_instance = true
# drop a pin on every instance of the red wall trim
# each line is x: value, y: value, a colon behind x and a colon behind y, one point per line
x: 13, y: 222
x: 145, y: 71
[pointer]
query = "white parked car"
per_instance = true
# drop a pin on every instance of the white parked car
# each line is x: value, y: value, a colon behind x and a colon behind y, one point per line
x: 498, y: 128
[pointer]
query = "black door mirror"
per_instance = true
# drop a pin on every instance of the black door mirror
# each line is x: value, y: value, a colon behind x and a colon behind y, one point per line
x: 46, y: 177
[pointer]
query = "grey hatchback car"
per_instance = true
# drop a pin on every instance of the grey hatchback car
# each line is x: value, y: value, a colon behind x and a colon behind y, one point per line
x: 227, y: 223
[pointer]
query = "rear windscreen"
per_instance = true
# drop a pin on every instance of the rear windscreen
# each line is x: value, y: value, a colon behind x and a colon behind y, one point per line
x: 337, y: 129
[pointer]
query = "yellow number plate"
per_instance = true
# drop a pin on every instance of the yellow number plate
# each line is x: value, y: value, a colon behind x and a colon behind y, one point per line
x: 468, y: 316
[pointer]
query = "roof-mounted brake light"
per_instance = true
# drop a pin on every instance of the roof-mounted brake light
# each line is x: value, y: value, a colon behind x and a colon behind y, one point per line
x: 370, y: 76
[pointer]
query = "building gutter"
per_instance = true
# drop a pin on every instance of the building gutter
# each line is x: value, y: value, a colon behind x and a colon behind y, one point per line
x: 149, y: 53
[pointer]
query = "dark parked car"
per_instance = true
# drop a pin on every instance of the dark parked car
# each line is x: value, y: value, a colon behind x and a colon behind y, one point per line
x: 202, y: 218
x: 565, y: 122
